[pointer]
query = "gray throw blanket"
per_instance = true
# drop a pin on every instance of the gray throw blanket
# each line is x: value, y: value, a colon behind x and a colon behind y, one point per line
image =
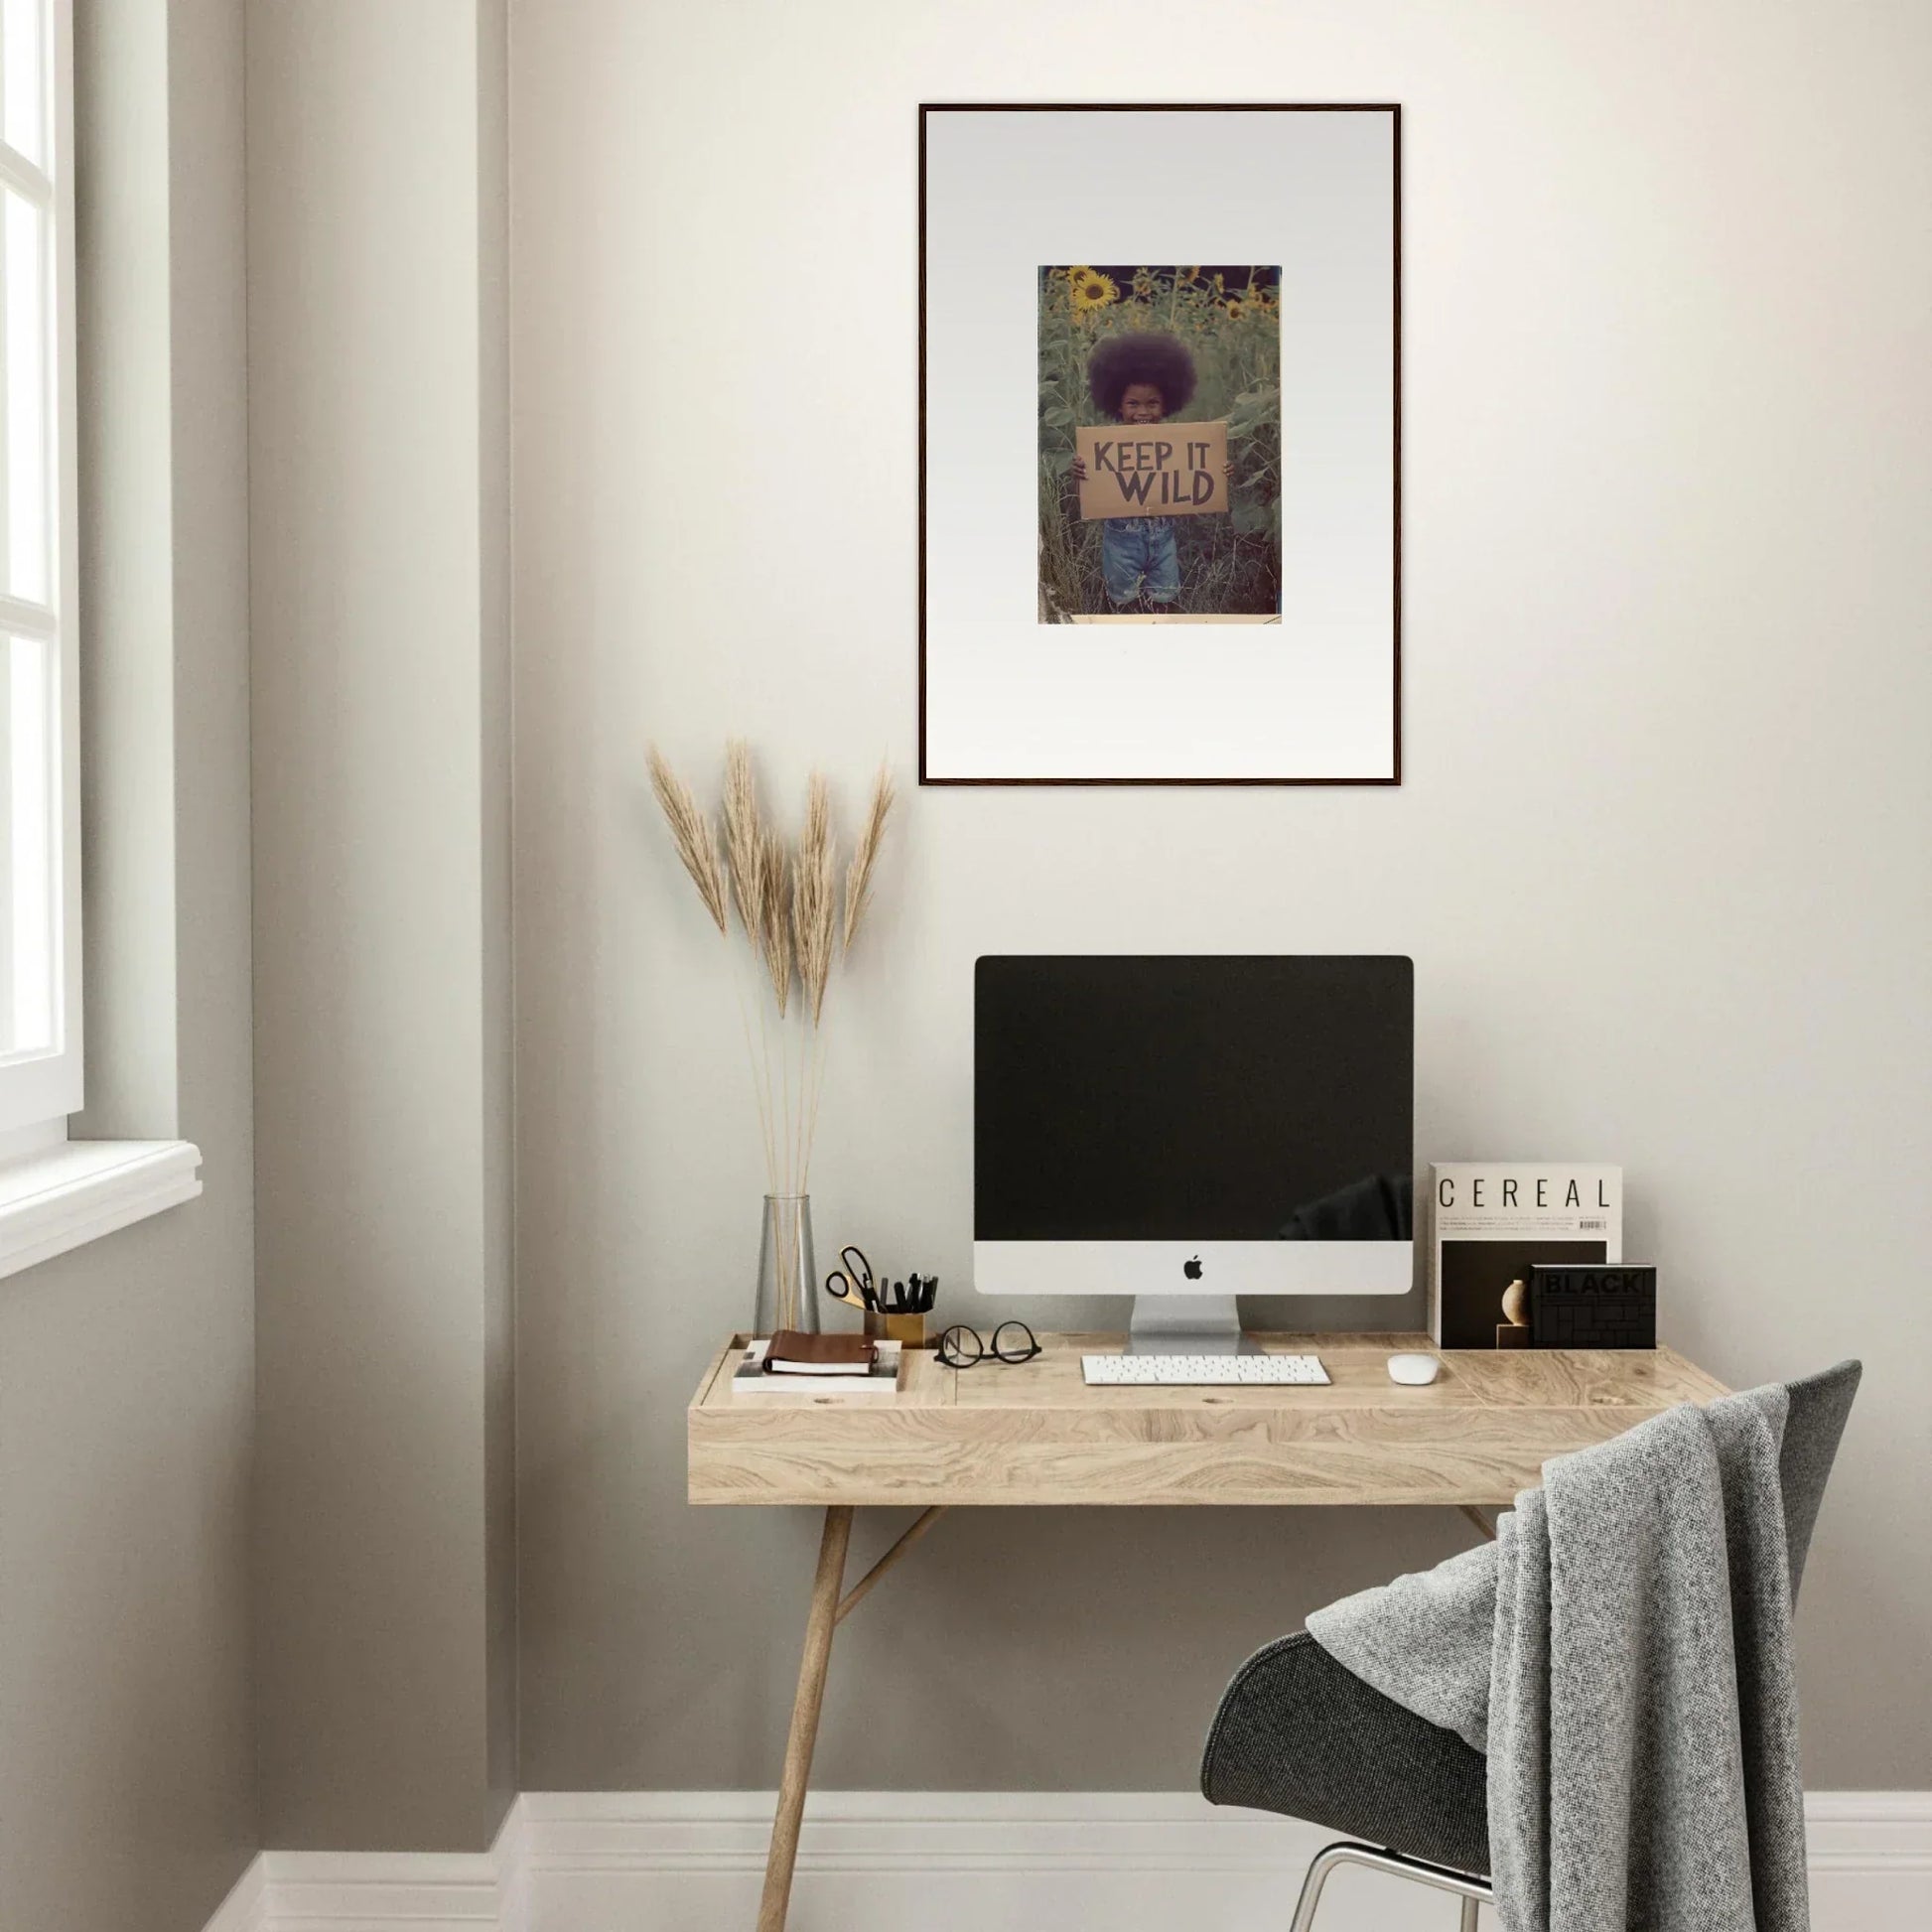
x: 1623, y: 1652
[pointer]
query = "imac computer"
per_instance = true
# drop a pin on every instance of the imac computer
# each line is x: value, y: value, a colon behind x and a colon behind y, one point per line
x: 1190, y: 1128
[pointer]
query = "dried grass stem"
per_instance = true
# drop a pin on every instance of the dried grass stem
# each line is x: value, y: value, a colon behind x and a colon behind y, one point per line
x: 788, y: 908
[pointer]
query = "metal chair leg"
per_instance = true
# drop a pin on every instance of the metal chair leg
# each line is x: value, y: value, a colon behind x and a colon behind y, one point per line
x: 1324, y: 1863
x: 1472, y: 1891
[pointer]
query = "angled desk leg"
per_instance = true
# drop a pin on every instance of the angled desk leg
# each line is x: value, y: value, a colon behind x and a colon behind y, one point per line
x: 819, y: 1623
x: 829, y: 1609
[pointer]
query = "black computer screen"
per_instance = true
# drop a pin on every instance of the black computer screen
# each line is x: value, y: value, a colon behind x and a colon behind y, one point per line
x: 1224, y: 1098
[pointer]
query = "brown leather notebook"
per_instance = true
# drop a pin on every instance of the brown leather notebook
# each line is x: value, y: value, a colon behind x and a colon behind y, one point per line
x: 794, y: 1353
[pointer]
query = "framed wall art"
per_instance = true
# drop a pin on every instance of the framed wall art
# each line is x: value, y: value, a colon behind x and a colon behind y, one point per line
x: 1159, y: 445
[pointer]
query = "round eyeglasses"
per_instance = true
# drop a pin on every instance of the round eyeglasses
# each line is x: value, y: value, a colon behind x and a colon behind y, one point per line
x: 1013, y: 1341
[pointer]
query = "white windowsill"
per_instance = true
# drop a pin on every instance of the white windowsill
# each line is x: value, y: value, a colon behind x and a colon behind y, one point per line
x: 78, y: 1190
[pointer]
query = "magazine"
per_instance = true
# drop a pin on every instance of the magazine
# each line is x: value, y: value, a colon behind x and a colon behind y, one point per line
x: 1491, y: 1219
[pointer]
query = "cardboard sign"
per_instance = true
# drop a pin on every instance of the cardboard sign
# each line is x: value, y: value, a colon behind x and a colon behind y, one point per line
x: 1154, y: 469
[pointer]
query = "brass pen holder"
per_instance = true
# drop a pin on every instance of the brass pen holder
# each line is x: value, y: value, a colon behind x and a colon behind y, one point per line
x: 892, y: 1311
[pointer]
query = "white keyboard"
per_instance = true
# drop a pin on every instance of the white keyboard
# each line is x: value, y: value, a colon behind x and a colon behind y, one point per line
x: 1202, y: 1371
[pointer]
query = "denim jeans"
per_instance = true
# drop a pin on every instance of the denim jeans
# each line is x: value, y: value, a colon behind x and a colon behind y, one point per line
x: 1138, y: 554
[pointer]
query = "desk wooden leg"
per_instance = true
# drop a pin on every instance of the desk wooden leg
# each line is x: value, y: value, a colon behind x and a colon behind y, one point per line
x: 858, y: 1592
x: 1478, y: 1519
x: 819, y: 1623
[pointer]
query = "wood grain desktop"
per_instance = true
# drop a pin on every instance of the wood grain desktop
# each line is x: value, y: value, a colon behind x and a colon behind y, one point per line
x: 1033, y: 1433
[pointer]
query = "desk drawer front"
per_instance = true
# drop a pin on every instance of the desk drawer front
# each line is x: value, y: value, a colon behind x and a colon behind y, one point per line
x: 1212, y: 1452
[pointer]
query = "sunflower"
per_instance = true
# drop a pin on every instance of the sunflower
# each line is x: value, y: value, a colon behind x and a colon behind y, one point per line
x: 1143, y: 283
x: 1187, y: 275
x: 1094, y: 292
x: 1233, y: 307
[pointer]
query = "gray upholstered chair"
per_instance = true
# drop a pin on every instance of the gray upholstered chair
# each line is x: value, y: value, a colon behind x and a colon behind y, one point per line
x: 1298, y: 1734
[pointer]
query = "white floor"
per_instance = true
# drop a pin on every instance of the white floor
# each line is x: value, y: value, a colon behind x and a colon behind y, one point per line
x: 956, y: 1861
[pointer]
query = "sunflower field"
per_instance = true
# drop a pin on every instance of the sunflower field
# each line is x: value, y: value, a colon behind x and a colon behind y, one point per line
x: 1230, y: 321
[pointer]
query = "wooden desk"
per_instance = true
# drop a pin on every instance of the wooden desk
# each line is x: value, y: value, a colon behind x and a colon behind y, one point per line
x: 1033, y: 1433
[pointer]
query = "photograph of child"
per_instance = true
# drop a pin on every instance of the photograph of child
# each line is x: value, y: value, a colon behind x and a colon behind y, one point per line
x: 1139, y: 346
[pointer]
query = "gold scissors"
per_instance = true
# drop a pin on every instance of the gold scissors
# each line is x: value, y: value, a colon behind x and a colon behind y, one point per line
x: 851, y: 1282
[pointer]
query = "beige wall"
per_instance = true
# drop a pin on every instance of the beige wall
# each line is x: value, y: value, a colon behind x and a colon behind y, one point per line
x: 1660, y: 854
x: 127, y: 1793
x: 380, y: 738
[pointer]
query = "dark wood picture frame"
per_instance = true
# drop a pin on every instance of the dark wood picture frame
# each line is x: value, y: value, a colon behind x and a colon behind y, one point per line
x: 1391, y: 108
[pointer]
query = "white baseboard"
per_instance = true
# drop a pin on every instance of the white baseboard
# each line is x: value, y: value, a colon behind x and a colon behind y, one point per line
x: 243, y: 1908
x: 1869, y: 1854
x: 954, y: 1862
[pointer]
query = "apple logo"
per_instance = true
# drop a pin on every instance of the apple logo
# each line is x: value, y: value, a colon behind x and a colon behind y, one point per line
x: 1192, y: 1269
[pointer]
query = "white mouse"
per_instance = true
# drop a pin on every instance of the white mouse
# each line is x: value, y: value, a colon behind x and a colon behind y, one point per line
x: 1414, y: 1370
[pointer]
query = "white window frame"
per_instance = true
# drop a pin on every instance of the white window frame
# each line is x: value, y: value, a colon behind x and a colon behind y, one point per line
x: 55, y: 1192
x: 37, y: 1091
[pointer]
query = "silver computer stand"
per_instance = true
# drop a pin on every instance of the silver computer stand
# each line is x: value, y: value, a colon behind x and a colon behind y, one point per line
x: 1186, y: 1324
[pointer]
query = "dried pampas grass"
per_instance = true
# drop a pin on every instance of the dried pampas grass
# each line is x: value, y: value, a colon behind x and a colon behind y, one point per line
x: 814, y: 896
x: 742, y: 834
x: 787, y: 902
x: 691, y: 833
x: 774, y: 916
x: 872, y: 835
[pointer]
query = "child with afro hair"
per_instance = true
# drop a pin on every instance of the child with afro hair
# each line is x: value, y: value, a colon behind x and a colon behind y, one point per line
x: 1142, y: 376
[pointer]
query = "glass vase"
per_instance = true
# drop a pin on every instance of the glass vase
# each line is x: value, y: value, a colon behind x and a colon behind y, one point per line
x: 787, y: 1270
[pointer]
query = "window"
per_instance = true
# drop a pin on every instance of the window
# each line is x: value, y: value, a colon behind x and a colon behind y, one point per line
x: 55, y: 1192
x: 40, y: 920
